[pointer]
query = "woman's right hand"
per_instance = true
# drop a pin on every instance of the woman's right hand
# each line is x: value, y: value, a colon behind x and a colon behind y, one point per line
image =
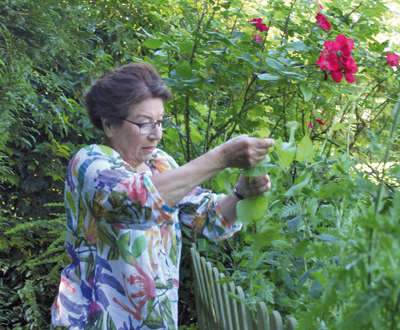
x: 244, y: 151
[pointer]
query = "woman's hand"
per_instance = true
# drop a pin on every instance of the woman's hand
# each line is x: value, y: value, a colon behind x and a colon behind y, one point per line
x: 255, y: 186
x: 244, y: 151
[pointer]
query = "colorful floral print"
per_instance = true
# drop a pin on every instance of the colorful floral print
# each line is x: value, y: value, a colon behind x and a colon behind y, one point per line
x: 124, y: 243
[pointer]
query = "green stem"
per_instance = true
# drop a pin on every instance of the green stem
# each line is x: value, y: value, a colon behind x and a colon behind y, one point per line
x: 396, y: 111
x: 329, y: 132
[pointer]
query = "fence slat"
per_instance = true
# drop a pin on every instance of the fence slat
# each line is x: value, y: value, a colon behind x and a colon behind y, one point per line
x: 242, y: 313
x: 233, y: 305
x: 212, y: 294
x: 262, y: 317
x: 198, y: 289
x: 251, y: 322
x: 210, y: 311
x: 220, y: 301
x: 275, y: 321
x: 228, y: 315
x: 291, y: 323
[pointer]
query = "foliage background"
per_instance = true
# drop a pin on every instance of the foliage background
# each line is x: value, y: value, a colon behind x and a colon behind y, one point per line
x: 339, y: 227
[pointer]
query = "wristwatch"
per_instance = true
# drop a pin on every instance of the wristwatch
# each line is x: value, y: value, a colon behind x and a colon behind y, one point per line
x: 239, y: 196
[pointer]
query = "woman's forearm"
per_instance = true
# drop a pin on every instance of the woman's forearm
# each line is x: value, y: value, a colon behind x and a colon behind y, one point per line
x: 240, y: 152
x: 227, y: 207
x: 175, y: 184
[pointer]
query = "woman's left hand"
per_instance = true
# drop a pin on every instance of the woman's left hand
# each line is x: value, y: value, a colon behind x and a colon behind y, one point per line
x: 253, y: 187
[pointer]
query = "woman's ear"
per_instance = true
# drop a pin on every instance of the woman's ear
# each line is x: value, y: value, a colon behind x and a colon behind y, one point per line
x: 107, y: 127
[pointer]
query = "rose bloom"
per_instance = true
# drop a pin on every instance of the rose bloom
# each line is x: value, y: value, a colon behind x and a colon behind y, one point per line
x: 319, y: 121
x: 323, y: 22
x: 259, y: 26
x: 257, y: 38
x: 392, y: 59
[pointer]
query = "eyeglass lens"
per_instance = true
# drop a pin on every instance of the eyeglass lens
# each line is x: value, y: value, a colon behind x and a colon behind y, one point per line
x: 147, y: 128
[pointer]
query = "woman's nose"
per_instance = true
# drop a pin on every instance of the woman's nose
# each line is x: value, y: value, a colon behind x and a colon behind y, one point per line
x: 156, y: 133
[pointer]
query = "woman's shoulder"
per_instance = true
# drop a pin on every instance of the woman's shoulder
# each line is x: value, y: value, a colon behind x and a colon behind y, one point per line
x: 96, y: 154
x: 98, y: 151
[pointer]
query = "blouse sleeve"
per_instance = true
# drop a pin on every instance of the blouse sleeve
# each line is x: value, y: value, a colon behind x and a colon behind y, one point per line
x: 199, y: 210
x: 112, y: 191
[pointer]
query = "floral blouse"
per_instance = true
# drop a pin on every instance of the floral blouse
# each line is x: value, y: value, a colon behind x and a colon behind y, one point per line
x: 125, y: 243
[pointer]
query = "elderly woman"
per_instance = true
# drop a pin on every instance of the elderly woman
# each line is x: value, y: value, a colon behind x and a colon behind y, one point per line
x: 124, y: 200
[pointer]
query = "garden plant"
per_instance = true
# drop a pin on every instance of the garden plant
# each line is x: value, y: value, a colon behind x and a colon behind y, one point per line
x: 321, y: 78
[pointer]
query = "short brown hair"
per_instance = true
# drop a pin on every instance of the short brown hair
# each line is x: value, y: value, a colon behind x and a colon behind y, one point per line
x: 118, y: 90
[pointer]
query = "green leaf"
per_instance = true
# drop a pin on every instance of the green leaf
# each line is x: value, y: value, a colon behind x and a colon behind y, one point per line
x: 261, y: 168
x: 251, y: 208
x: 337, y: 126
x: 224, y: 180
x: 152, y: 43
x: 110, y: 323
x: 106, y: 239
x: 305, y: 151
x: 238, y: 34
x: 209, y: 62
x: 268, y: 76
x: 107, y: 150
x: 304, y: 277
x: 192, y: 82
x: 316, y: 290
x: 285, y: 153
x: 167, y: 313
x: 171, y: 82
x: 247, y: 56
x: 125, y: 238
x: 99, y: 325
x: 296, y: 190
x: 71, y: 202
x: 186, y: 46
x: 275, y: 64
x: 82, y: 214
x: 113, y: 254
x: 154, y: 323
x: 297, y: 45
x: 288, y: 281
x: 199, y: 35
x: 306, y: 92
x: 173, y: 253
x: 327, y: 238
x: 269, y: 233
x: 294, y: 223
x: 185, y: 70
x: 138, y: 246
x: 301, y: 249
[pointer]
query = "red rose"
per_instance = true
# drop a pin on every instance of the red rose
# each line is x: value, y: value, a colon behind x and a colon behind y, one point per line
x: 329, y: 63
x: 323, y: 22
x: 257, y: 38
x: 256, y: 20
x: 392, y: 59
x: 337, y: 60
x: 259, y: 26
x: 319, y: 121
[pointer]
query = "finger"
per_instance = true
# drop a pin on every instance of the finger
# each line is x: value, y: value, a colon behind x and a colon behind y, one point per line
x: 263, y: 188
x: 259, y: 181
x: 264, y: 143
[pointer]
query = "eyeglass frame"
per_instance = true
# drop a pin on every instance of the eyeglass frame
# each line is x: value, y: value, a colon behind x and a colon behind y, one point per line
x: 152, y: 122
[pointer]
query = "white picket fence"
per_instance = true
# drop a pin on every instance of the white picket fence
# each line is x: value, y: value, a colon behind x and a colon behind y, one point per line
x: 218, y: 311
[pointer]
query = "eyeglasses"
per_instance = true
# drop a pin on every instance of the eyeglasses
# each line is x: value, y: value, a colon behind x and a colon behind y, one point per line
x: 146, y: 128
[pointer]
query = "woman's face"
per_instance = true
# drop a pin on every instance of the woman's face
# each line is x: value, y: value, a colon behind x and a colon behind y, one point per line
x: 134, y: 147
